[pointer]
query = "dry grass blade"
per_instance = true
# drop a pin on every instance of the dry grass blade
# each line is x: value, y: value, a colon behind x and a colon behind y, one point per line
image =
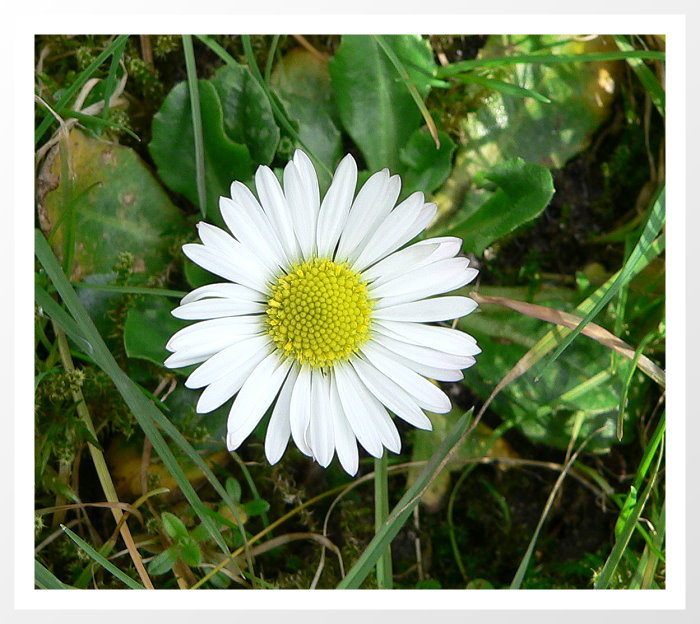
x: 571, y: 321
x: 123, y: 506
x: 292, y: 537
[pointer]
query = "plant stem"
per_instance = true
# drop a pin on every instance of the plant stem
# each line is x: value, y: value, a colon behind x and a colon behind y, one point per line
x: 385, y: 577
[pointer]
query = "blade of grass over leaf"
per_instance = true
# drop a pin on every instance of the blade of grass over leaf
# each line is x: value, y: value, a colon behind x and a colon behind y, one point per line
x: 546, y: 59
x: 642, y: 249
x: 82, y: 78
x: 405, y: 76
x: 503, y: 87
x: 277, y: 108
x: 145, y: 412
x: 628, y: 382
x: 646, y: 76
x: 592, y: 330
x: 193, y: 87
x: 399, y: 514
x: 110, y: 567
x: 656, y: 444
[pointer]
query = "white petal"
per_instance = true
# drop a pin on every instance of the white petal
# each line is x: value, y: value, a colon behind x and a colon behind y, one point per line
x: 427, y: 395
x: 345, y: 441
x: 371, y: 206
x: 438, y: 373
x: 230, y: 265
x: 221, y: 390
x: 249, y: 224
x: 423, y: 355
x: 183, y: 358
x: 222, y: 332
x: 227, y: 361
x: 278, y: 429
x: 404, y: 223
x: 321, y: 437
x: 301, y: 191
x: 336, y: 206
x: 391, y: 394
x: 433, y: 279
x: 440, y: 338
x: 358, y: 419
x: 275, y: 205
x: 217, y: 308
x: 370, y: 409
x: 223, y: 290
x: 428, y: 310
x: 395, y: 264
x: 300, y: 409
x: 256, y: 395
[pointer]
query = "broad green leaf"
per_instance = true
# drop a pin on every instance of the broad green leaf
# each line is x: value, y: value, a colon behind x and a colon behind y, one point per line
x: 256, y: 507
x: 189, y: 552
x: 424, y: 167
x: 174, y: 527
x: 248, y: 118
x: 119, y: 206
x: 148, y: 327
x: 163, y: 562
x: 524, y: 190
x: 507, y: 126
x: 317, y: 130
x: 233, y: 487
x: 172, y: 146
x: 303, y: 84
x: 373, y: 101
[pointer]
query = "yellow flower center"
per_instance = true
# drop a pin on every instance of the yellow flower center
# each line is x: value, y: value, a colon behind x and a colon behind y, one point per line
x: 319, y: 312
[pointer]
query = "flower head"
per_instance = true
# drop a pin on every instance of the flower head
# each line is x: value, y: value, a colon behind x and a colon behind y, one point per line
x: 324, y: 315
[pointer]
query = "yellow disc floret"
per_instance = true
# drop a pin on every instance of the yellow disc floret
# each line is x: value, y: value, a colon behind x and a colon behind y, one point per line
x: 319, y: 312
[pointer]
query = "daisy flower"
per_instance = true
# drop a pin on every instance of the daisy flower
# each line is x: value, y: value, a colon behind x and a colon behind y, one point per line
x: 323, y: 316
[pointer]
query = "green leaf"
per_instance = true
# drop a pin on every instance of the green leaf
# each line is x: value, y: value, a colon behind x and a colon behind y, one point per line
x: 119, y: 207
x: 174, y: 527
x: 248, y: 117
x: 317, y: 130
x: 172, y: 146
x: 256, y: 507
x: 425, y: 167
x: 163, y: 562
x: 524, y: 190
x: 374, y: 104
x: 189, y: 552
x: 234, y: 489
x: 148, y: 327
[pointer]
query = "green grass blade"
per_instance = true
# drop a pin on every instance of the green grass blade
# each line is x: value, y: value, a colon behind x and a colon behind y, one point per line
x: 641, y: 250
x: 131, y: 290
x: 517, y: 581
x: 613, y: 560
x: 646, y: 76
x: 44, y: 578
x: 64, y: 320
x: 97, y: 557
x: 145, y: 412
x: 507, y: 88
x: 398, y: 516
x: 79, y: 82
x: 111, y: 81
x: 546, y: 59
x: 193, y: 87
x: 385, y: 576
